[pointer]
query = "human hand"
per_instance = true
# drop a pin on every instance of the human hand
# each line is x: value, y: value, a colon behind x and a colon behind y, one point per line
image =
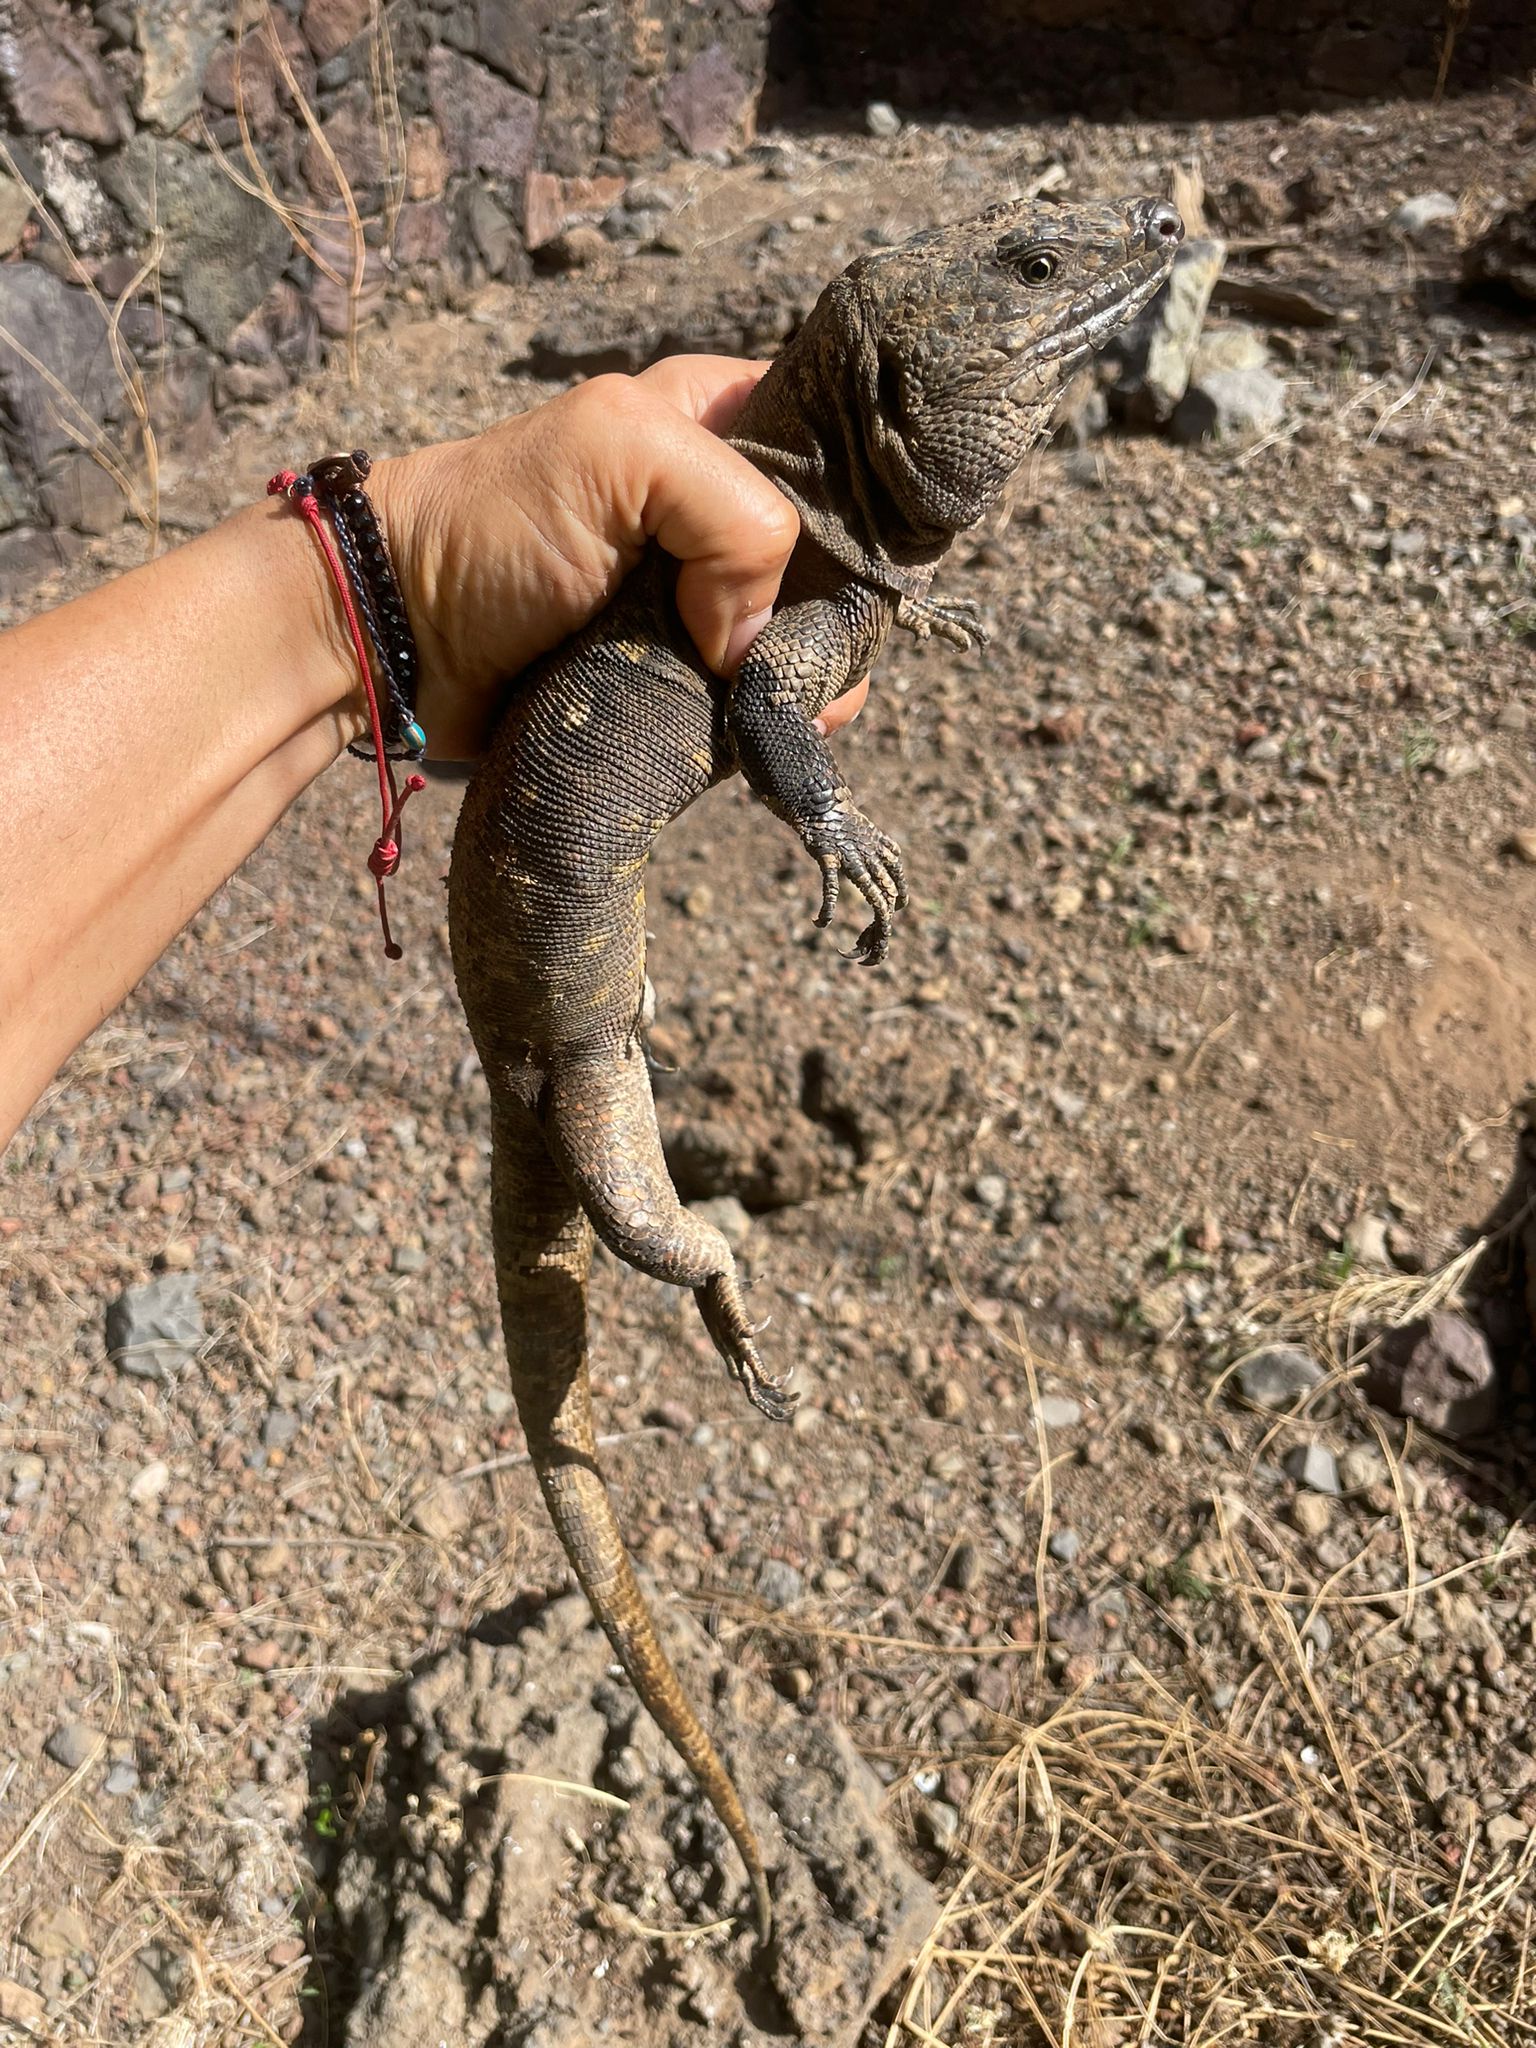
x: 506, y: 543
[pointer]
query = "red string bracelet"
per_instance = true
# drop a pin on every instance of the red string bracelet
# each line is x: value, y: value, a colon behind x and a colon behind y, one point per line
x: 384, y: 860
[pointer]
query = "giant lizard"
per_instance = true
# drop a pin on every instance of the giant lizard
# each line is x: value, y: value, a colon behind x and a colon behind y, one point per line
x: 893, y: 420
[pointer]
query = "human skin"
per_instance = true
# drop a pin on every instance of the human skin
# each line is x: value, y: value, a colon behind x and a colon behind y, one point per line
x: 157, y: 728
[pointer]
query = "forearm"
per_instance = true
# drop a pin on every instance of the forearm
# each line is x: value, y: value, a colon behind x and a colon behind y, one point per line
x: 154, y: 731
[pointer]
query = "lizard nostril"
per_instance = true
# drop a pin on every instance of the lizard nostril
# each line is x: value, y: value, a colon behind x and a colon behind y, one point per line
x: 1164, y: 224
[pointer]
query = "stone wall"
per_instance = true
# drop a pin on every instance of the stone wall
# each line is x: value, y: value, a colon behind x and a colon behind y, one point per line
x: 191, y: 172
x: 163, y: 161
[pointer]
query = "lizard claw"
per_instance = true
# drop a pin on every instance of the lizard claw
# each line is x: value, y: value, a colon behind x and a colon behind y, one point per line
x: 725, y: 1319
x: 846, y: 843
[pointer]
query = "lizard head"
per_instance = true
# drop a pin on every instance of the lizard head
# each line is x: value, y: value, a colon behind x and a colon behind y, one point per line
x: 969, y: 334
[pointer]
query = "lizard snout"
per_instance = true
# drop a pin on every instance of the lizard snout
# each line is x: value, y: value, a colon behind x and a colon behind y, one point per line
x: 1162, y: 225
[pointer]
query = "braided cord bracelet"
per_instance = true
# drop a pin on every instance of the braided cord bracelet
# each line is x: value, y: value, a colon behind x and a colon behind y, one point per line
x: 359, y: 562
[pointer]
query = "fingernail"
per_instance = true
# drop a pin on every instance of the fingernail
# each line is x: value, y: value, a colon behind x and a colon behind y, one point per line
x: 743, y: 633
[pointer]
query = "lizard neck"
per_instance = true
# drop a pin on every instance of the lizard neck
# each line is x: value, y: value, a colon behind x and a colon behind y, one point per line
x: 815, y: 425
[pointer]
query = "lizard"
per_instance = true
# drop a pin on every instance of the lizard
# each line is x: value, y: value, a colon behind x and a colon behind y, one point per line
x: 893, y: 420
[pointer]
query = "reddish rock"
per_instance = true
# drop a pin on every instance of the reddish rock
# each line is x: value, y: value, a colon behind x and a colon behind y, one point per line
x: 329, y: 25
x: 543, y: 208
x: 707, y: 102
x: 422, y: 233
x: 247, y: 72
x: 486, y: 124
x: 634, y: 128
x: 332, y: 299
x: 1064, y: 728
x: 509, y: 39
x: 426, y: 160
x: 50, y: 58
x: 352, y: 131
x: 1439, y: 1371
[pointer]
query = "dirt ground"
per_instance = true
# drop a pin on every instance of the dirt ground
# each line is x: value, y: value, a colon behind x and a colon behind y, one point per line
x: 1204, y: 1030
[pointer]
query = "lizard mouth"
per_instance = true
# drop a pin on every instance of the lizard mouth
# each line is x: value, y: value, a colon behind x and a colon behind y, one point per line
x: 1093, y: 317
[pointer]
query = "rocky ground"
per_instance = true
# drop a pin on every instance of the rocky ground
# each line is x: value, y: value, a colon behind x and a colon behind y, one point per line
x: 1197, y: 1687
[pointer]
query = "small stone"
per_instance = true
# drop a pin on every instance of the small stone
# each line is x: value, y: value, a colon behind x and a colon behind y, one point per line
x: 967, y: 1568
x: 1192, y: 936
x: 156, y: 1329
x: 408, y: 1258
x: 441, y: 1513
x: 21, y: 2006
x: 1438, y: 1370
x: 948, y: 1401
x: 1227, y: 404
x: 1437, y: 1780
x: 149, y: 1482
x: 698, y: 901
x: 261, y: 1656
x: 729, y: 1216
x: 1312, y: 1513
x: 1163, y: 1438
x: 72, y: 1744
x: 1361, y: 1468
x: 122, y: 1781
x: 882, y: 120
x: 1365, y: 1239
x: 1505, y: 1831
x: 1276, y: 1376
x: 1064, y: 1545
x: 779, y: 1584
x: 1059, y: 1411
x: 1522, y: 843
x: 1413, y: 215
x: 1374, y: 1018
x: 1064, y: 728
x: 1163, y: 1307
x: 56, y: 1931
x: 28, y: 1476
x: 991, y: 1191
x: 1066, y: 900
x: 1313, y: 1467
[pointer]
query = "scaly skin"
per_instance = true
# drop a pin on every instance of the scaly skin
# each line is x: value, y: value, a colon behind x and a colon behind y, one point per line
x: 894, y: 419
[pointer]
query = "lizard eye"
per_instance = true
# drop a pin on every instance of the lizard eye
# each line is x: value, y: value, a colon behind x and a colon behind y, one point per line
x: 1040, y: 266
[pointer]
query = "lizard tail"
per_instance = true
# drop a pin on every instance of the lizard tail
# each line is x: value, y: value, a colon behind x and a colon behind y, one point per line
x: 543, y: 1249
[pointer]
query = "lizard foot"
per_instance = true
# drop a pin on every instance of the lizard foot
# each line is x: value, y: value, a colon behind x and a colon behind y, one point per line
x: 846, y: 843
x: 725, y: 1318
x: 958, y: 623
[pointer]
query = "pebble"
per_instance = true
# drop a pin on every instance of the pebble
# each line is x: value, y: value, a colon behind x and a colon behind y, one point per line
x: 967, y: 1568
x: 1373, y: 1018
x: 1314, y: 1467
x: 991, y: 1191
x: 1419, y: 211
x: 1059, y: 1411
x: 150, y: 1482
x: 28, y: 1472
x: 122, y: 1781
x: 1366, y: 1241
x: 1522, y: 843
x: 882, y: 120
x: 71, y: 1744
x: 1276, y: 1376
x: 729, y: 1216
x: 155, y: 1329
x: 1361, y: 1468
x: 1312, y: 1513
x: 56, y: 1931
x: 18, y: 2004
x: 779, y: 1584
x: 1439, y: 1371
x: 408, y: 1258
x: 1228, y: 403
x: 440, y: 1513
x: 261, y: 1656
x: 948, y: 1401
x: 1064, y: 1545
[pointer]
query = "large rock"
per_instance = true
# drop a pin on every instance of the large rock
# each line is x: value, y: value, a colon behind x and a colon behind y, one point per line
x: 223, y: 247
x: 486, y: 124
x: 155, y: 1329
x: 1156, y: 354
x: 50, y: 59
x: 176, y: 38
x: 1226, y: 405
x: 1439, y: 1371
x: 63, y: 328
x: 482, y: 1884
x: 707, y: 103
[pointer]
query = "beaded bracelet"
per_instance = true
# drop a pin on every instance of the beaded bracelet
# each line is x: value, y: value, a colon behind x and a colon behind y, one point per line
x: 364, y: 575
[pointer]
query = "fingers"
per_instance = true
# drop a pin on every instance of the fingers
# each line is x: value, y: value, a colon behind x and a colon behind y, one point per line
x: 842, y: 709
x: 710, y: 389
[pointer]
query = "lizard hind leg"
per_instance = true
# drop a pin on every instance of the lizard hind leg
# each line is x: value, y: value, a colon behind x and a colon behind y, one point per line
x: 600, y: 1125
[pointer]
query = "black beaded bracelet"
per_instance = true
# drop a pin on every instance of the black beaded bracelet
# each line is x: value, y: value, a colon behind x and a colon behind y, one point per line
x: 337, y: 482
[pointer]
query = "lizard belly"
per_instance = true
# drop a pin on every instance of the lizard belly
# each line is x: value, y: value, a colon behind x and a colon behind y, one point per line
x: 599, y: 751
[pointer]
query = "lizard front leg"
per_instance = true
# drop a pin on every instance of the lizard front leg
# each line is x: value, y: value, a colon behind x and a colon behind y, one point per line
x: 808, y: 654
